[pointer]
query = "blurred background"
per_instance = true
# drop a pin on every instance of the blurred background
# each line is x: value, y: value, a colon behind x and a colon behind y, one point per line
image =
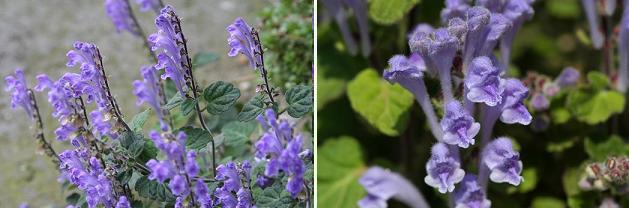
x: 36, y: 35
x: 555, y: 148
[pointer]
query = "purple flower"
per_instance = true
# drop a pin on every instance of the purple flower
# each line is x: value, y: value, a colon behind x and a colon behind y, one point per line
x: 458, y: 125
x: 470, y: 194
x: 381, y: 185
x: 241, y: 41
x: 123, y: 202
x: 24, y: 205
x: 119, y: 11
x: 539, y: 102
x: 202, y: 194
x: 160, y: 170
x: 178, y: 185
x: 170, y: 145
x: 101, y: 124
x: 338, y: 9
x: 192, y: 169
x: 438, y: 50
x: 146, y: 5
x: 483, y: 82
x: 503, y: 162
x: 454, y: 8
x: 60, y: 98
x: 281, y: 149
x: 478, y: 19
x: 359, y: 7
x: 498, y: 26
x: 517, y: 11
x: 623, y: 50
x: 231, y: 176
x: 568, y: 77
x: 87, y: 174
x: 443, y: 169
x: 492, y: 5
x: 167, y: 42
x: 148, y: 91
x: 16, y: 84
x: 404, y: 72
x: 420, y: 28
x: 596, y: 35
x: 512, y: 106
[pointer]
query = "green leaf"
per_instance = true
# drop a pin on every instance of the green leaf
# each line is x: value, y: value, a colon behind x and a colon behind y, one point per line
x: 560, y: 115
x: 273, y: 196
x: 340, y: 165
x: 383, y: 105
x: 598, y: 80
x: 202, y: 58
x: 329, y: 89
x: 139, y: 120
x: 300, y: 100
x: 133, y: 142
x: 220, y: 97
x: 564, y: 8
x: 197, y: 138
x: 252, y: 109
x: 237, y: 133
x: 174, y: 101
x: 547, y: 202
x: 188, y: 106
x: 613, y: 146
x: 594, y: 107
x: 153, y: 190
x: 387, y: 12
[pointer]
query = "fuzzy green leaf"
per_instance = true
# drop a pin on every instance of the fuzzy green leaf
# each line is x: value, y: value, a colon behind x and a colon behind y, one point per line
x: 220, y: 97
x: 197, y: 137
x: 594, y: 107
x: 139, y: 120
x: 252, y: 109
x: 300, y: 100
x: 188, y: 106
x: 153, y: 190
x: 387, y: 12
x: 237, y: 133
x: 202, y: 58
x: 613, y: 146
x: 174, y: 101
x: 337, y: 177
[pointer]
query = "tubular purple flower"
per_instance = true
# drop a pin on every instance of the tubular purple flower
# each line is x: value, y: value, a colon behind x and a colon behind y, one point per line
x: 202, y: 194
x: 337, y: 10
x: 596, y: 35
x: 512, y: 106
x: 470, y: 194
x: 148, y: 91
x: 16, y: 84
x: 64, y: 108
x: 410, y: 76
x: 492, y: 5
x: 359, y: 7
x: 420, y: 28
x: 539, y: 102
x: 382, y: 185
x: 192, y: 169
x: 503, y: 162
x: 119, y: 13
x: 498, y: 25
x: 178, y: 186
x: 230, y: 174
x: 623, y: 49
x: 483, y: 82
x: 89, y: 178
x: 241, y: 41
x: 454, y: 8
x: 459, y: 127
x: 438, y: 50
x: 123, y: 202
x: 517, y: 11
x: 160, y: 170
x: 443, y: 169
x: 478, y: 19
x: 166, y: 42
x: 146, y: 5
x: 569, y: 76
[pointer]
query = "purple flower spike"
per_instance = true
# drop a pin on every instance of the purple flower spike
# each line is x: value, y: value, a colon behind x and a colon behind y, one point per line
x: 517, y: 11
x: 167, y: 42
x: 513, y: 109
x: 60, y: 98
x: 483, y: 82
x: 539, y: 102
x: 458, y: 125
x: 119, y: 11
x: 241, y: 41
x: 148, y: 91
x: 623, y: 50
x: 478, y: 19
x: 443, y: 169
x: 16, y: 84
x: 123, y: 202
x: 421, y: 28
x: 231, y: 175
x: 382, y: 185
x: 454, y: 8
x: 503, y: 162
x: 470, y: 194
x: 178, y: 186
x: 438, y: 50
x: 202, y: 193
x: 146, y: 5
x: 498, y: 25
x: 493, y: 5
x: 596, y: 35
x: 87, y: 174
x: 160, y: 170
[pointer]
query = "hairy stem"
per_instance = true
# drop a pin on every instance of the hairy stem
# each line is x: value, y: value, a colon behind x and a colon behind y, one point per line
x: 48, y: 150
x: 260, y: 66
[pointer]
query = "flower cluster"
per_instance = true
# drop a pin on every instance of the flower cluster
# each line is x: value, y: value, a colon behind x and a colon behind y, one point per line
x: 235, y: 191
x: 169, y: 42
x: 382, y: 185
x: 282, y: 152
x: 88, y: 175
x: 149, y: 91
x: 242, y: 41
x: 543, y: 88
x: 20, y: 97
x: 470, y: 37
x: 119, y: 11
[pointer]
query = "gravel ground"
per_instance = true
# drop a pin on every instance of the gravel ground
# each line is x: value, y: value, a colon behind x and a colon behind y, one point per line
x: 35, y: 35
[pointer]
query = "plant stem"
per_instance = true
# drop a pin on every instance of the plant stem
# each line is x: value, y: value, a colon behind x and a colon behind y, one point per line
x: 260, y: 66
x: 112, y: 101
x: 308, y: 199
x: 422, y: 97
x: 48, y: 150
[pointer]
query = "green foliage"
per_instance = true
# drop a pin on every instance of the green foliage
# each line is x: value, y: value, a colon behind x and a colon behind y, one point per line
x: 174, y: 101
x: 529, y: 183
x: 273, y: 196
x: 187, y: 106
x: 253, y: 108
x: 382, y: 104
x: 337, y: 177
x: 237, y: 133
x: 564, y: 8
x: 220, y: 96
x: 597, y: 80
x: 547, y: 202
x: 300, y: 100
x: 614, y: 146
x: 387, y: 12
x: 139, y: 120
x: 593, y: 107
x: 202, y: 58
x: 153, y: 190
x: 197, y: 138
x: 132, y: 142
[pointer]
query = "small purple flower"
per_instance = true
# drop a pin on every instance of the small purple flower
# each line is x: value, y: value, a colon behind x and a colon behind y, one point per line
x: 101, y: 124
x: 539, y: 102
x: 420, y: 28
x: 202, y: 193
x: 87, y: 174
x: 492, y: 5
x: 25, y: 205
x: 146, y: 5
x: 382, y: 185
x: 596, y: 35
x: 148, y: 91
x: 231, y: 176
x: 459, y: 127
x: 167, y: 43
x: 568, y: 77
x: 498, y: 26
x: 512, y: 106
x: 623, y: 50
x: 477, y: 25
x: 404, y: 72
x: 170, y: 145
x: 119, y: 11
x: 483, y: 82
x: 160, y: 170
x: 503, y: 162
x: 517, y: 11
x: 454, y: 8
x: 123, y: 202
x: 192, y: 169
x: 470, y: 194
x: 438, y: 50
x: 60, y: 98
x: 16, y: 84
x: 241, y: 41
x: 178, y: 186
x: 443, y: 169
